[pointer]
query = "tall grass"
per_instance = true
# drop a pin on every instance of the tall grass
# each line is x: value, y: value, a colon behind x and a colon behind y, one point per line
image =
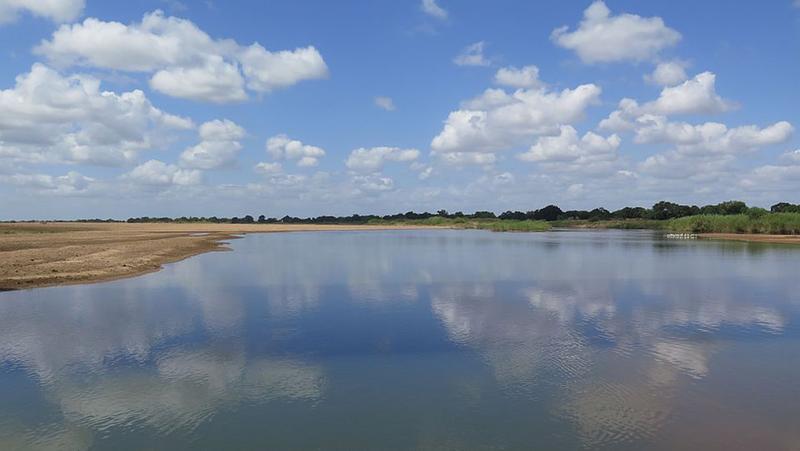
x: 495, y: 225
x: 769, y: 223
x: 509, y: 225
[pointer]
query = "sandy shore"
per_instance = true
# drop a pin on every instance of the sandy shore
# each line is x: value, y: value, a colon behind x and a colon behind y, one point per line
x: 38, y: 255
x: 754, y: 237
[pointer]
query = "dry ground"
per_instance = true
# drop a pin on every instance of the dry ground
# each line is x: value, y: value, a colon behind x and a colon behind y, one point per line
x: 754, y: 237
x: 43, y: 254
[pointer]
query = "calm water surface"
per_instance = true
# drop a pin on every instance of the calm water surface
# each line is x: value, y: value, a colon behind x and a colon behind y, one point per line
x: 416, y: 340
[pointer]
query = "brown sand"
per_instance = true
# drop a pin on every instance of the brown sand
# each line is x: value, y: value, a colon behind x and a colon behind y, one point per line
x: 39, y: 254
x: 754, y: 237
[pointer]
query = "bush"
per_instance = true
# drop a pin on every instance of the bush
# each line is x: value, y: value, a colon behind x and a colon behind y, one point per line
x: 756, y: 222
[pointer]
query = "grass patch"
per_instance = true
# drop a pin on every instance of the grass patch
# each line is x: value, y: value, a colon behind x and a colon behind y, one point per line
x: 628, y: 224
x: 495, y: 225
x: 767, y: 223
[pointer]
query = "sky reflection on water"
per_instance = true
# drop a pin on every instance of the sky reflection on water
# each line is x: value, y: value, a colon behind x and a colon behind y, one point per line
x: 416, y: 340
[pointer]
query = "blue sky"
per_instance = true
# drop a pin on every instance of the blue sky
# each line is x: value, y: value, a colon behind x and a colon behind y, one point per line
x: 117, y: 109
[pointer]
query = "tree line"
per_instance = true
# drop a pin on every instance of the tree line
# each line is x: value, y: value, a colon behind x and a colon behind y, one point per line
x: 660, y: 211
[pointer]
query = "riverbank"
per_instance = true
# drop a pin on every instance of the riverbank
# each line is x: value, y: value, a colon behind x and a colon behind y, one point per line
x: 46, y: 254
x: 753, y: 237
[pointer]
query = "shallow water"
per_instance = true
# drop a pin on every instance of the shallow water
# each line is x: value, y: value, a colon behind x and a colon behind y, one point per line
x: 416, y: 340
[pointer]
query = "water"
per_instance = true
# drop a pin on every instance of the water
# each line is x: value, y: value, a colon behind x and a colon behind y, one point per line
x: 416, y: 340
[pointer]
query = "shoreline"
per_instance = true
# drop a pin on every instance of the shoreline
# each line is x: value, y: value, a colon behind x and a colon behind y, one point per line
x: 752, y: 237
x: 37, y: 255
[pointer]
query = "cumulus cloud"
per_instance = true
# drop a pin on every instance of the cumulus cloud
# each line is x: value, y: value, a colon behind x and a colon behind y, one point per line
x: 793, y: 156
x: 186, y: 61
x: 602, y: 38
x: 467, y: 158
x: 219, y: 145
x: 69, y: 184
x: 373, y: 183
x: 499, y: 120
x: 771, y: 177
x: 373, y: 159
x: 268, y: 168
x: 710, y: 137
x: 472, y: 55
x: 158, y: 173
x: 267, y: 70
x: 695, y: 96
x: 385, y: 103
x: 55, y: 10
x: 48, y: 117
x: 215, y: 81
x: 525, y: 77
x: 281, y: 147
x: 431, y: 8
x: 668, y: 73
x: 705, y: 152
x: 568, y: 146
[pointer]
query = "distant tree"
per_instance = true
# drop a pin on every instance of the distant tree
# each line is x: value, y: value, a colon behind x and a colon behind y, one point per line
x: 442, y: 213
x: 484, y: 215
x: 575, y: 214
x: 785, y: 207
x: 599, y: 214
x: 548, y: 213
x: 668, y: 210
x: 630, y: 213
x: 516, y: 215
x: 262, y: 219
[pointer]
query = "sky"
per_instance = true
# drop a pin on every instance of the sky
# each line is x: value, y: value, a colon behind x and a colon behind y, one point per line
x: 115, y: 109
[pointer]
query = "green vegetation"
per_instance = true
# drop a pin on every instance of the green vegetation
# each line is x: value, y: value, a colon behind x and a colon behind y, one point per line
x: 752, y: 222
x: 526, y: 225
x: 495, y: 225
x: 726, y: 217
x: 628, y: 224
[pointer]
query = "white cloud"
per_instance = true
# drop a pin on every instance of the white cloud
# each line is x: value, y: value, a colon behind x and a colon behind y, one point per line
x: 219, y: 145
x: 467, y: 158
x: 774, y: 178
x: 373, y: 159
x: 51, y: 118
x: 695, y: 96
x: 668, y: 73
x: 267, y: 70
x: 216, y: 81
x: 567, y: 146
x: 268, y: 168
x: 710, y: 137
x: 472, y: 55
x: 693, y: 170
x: 187, y: 62
x: 281, y: 147
x: 373, y: 183
x: 793, y: 156
x: 385, y: 103
x: 601, y: 37
x: 69, y: 184
x: 431, y: 8
x: 55, y: 10
x: 525, y: 77
x: 499, y: 120
x: 158, y: 173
